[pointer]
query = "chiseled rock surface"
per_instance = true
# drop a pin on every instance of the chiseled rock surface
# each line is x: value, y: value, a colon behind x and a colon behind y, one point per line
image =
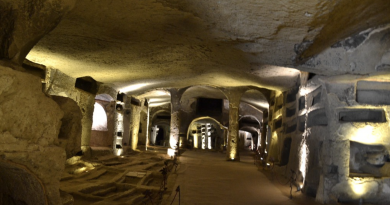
x: 25, y: 22
x: 29, y: 127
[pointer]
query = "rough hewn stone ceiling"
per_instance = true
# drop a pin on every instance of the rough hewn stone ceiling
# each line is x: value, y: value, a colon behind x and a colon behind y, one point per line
x: 151, y: 44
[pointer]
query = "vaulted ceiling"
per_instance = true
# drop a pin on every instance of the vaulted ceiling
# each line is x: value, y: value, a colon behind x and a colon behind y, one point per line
x: 139, y: 45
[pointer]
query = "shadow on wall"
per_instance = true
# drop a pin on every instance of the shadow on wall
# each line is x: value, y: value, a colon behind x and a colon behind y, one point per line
x: 70, y: 133
x: 20, y: 186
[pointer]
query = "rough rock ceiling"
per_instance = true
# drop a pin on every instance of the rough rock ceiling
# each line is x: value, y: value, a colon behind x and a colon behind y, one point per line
x: 170, y: 43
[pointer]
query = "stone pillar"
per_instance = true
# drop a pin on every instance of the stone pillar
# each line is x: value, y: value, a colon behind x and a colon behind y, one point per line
x: 134, y: 125
x: 147, y: 128
x: 175, y: 116
x: 87, y: 102
x: 263, y: 134
x: 234, y: 97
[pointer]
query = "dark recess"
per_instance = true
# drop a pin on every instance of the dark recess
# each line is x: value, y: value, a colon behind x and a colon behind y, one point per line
x: 362, y: 115
x: 209, y: 106
x: 87, y: 84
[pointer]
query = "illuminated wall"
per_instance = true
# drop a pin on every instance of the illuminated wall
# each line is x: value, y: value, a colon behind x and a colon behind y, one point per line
x: 332, y: 115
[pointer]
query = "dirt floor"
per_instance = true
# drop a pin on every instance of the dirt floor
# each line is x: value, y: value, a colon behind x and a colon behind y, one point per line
x: 203, y: 177
x: 135, y: 178
x: 206, y: 177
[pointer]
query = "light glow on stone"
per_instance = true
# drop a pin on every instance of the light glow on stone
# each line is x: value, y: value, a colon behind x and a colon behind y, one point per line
x: 133, y: 87
x: 303, y: 160
x: 171, y: 152
x: 365, y: 135
x: 119, y: 152
x: 99, y: 122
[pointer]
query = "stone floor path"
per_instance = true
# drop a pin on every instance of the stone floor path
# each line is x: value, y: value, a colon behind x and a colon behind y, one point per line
x: 207, y: 178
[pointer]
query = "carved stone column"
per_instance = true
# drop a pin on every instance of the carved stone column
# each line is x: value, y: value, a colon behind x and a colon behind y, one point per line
x: 175, y: 116
x: 234, y: 97
x: 134, y: 125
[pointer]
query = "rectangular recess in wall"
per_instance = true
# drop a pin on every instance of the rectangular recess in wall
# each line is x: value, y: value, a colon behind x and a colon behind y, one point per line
x: 317, y: 118
x: 316, y: 96
x: 291, y: 128
x: 291, y: 95
x: 120, y: 97
x: 87, y: 84
x: 373, y: 92
x: 277, y: 124
x: 362, y: 115
x: 301, y: 104
x: 290, y: 111
x: 119, y: 134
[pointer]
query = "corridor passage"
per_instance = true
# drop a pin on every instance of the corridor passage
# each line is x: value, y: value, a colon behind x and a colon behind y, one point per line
x: 207, y: 178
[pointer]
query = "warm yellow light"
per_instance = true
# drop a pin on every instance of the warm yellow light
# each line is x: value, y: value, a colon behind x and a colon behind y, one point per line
x: 172, y: 142
x: 232, y: 154
x: 358, y: 188
x: 365, y: 135
x: 119, y: 152
x: 195, y: 141
x: 133, y: 87
x: 171, y: 152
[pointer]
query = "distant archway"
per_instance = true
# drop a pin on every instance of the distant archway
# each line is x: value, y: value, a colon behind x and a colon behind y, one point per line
x: 103, y: 124
x: 99, y: 122
x: 196, y: 136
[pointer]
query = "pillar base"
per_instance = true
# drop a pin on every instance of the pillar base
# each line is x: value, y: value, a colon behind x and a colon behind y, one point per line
x: 237, y: 159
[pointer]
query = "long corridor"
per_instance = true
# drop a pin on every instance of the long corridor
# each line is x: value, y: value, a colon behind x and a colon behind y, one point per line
x: 207, y: 178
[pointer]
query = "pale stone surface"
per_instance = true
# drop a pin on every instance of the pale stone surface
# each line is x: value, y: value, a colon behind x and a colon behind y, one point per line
x: 24, y: 23
x: 30, y: 125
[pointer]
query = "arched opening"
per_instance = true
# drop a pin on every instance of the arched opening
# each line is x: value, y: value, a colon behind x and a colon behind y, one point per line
x: 206, y: 133
x: 160, y: 127
x: 246, y: 140
x: 160, y: 136
x: 70, y: 132
x: 99, y: 122
x: 19, y: 186
x: 252, y: 125
x: 103, y: 124
x: 253, y: 105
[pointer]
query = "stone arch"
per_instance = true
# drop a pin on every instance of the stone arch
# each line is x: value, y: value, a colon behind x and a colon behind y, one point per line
x: 201, y: 91
x: 103, y: 125
x: 254, y: 135
x: 255, y: 98
x: 259, y: 100
x: 159, y: 113
x: 70, y: 132
x: 250, y: 118
x: 20, y: 186
x: 195, y: 139
x: 164, y: 129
